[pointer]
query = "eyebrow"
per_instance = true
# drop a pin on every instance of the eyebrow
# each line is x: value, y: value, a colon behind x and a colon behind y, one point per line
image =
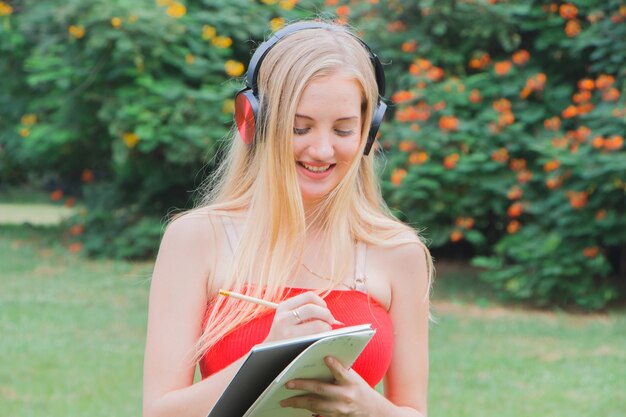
x: 304, y: 116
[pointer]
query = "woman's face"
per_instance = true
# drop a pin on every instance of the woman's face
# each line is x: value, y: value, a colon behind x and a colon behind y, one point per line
x: 326, y: 134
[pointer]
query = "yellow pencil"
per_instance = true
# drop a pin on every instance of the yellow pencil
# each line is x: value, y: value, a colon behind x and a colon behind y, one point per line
x: 248, y: 298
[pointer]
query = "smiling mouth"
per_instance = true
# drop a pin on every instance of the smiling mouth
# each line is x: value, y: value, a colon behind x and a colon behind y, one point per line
x: 313, y: 168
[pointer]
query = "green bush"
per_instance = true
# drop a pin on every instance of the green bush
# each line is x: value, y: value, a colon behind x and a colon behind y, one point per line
x: 504, y: 135
x: 507, y: 135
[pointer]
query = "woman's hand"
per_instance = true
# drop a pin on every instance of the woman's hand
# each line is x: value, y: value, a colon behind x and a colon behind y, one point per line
x: 348, y: 395
x: 301, y: 315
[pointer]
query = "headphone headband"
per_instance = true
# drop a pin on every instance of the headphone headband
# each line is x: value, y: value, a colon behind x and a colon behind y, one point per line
x: 247, y: 100
x: 259, y: 55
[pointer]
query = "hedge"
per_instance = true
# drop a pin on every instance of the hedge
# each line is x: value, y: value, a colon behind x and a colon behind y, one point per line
x: 504, y: 138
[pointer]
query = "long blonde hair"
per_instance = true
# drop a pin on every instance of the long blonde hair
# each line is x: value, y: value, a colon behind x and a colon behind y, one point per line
x: 261, y: 179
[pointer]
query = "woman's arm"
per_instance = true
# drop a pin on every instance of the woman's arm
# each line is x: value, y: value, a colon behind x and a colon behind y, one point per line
x: 178, y: 299
x: 406, y: 382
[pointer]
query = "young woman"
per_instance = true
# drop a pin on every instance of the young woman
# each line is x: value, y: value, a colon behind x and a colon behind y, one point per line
x: 294, y: 215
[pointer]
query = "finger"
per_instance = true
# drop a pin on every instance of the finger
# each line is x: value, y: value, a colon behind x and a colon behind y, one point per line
x: 340, y: 372
x: 308, y: 297
x: 314, y: 386
x: 312, y: 403
x: 309, y: 312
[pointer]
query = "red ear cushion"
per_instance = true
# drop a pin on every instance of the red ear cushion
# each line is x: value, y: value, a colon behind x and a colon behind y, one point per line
x: 244, y: 117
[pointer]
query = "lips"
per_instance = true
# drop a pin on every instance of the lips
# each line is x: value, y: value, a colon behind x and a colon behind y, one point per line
x: 315, y: 170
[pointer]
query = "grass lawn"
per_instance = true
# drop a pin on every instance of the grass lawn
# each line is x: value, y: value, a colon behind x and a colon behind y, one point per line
x: 72, y: 333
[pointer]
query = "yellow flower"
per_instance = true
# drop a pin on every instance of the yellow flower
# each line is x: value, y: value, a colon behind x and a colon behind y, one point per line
x: 288, y: 4
x: 176, y: 10
x: 189, y: 59
x: 116, y: 22
x: 277, y: 23
x: 76, y: 31
x: 5, y: 9
x: 132, y: 18
x: 24, y: 132
x: 29, y: 119
x: 233, y: 68
x: 229, y: 106
x: 130, y: 139
x: 208, y: 32
x: 222, y: 42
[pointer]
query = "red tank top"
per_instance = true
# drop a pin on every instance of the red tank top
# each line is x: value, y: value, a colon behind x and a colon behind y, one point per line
x: 350, y: 307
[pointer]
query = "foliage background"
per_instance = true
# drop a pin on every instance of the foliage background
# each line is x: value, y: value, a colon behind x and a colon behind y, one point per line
x: 504, y: 140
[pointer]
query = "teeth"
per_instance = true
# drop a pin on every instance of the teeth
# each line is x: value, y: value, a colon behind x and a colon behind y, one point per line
x: 316, y: 169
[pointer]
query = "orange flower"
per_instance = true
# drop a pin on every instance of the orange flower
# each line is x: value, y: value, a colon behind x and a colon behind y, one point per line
x: 604, y: 81
x: 591, y: 252
x: 449, y: 123
x: 613, y: 143
x: 406, y: 146
x: 597, y: 142
x: 524, y: 176
x: 75, y: 247
x: 572, y: 28
x: 506, y: 118
x: 475, y: 96
x: 456, y: 235
x: 513, y: 227
x: 581, y: 97
x: 521, y: 57
x: 553, y: 123
x: 581, y: 133
x: 600, y: 215
x: 397, y: 176
x: 525, y: 92
x: 569, y: 112
x: 343, y: 11
x: 585, y: 108
x: 87, y: 176
x: 553, y: 183
x: 586, y: 84
x: 450, y: 161
x: 401, y: 96
x: 517, y: 164
x: 409, y: 46
x: 440, y: 105
x: 551, y: 165
x: 568, y: 11
x: 515, y: 210
x: 560, y: 143
x: 396, y: 26
x: 502, y: 68
x: 77, y: 230
x: 578, y: 199
x: 480, y: 62
x: 500, y: 155
x: 418, y: 158
x: 56, y: 195
x: 434, y: 74
x: 502, y: 105
x: 515, y: 193
x: 465, y: 222
x: 70, y: 202
x: 610, y: 94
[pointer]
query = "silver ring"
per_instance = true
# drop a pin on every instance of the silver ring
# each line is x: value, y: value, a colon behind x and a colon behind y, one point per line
x: 297, y: 315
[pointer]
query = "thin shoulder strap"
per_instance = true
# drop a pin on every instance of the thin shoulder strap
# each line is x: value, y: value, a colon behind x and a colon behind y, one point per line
x: 359, y: 267
x: 231, y: 232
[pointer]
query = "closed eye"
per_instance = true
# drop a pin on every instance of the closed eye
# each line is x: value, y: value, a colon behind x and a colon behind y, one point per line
x: 302, y: 131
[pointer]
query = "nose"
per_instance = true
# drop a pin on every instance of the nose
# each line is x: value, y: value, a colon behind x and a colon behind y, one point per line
x: 321, y: 147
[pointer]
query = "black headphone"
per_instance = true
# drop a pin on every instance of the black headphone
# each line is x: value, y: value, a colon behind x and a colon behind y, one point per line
x: 247, y: 100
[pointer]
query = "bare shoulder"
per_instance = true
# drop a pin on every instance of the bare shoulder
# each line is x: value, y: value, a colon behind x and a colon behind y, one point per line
x: 404, y: 263
x: 192, y: 230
